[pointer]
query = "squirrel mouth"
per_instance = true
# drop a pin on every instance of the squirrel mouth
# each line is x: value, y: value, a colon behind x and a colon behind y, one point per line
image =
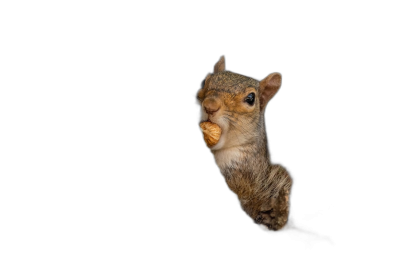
x: 211, y: 132
x: 207, y: 120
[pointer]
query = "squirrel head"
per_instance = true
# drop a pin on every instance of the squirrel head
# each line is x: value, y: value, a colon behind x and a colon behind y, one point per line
x: 236, y: 103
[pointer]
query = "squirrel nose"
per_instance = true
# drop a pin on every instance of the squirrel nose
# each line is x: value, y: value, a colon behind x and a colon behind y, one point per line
x: 211, y: 105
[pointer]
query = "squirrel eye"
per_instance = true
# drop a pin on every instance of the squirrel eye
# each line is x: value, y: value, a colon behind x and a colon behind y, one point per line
x: 202, y: 83
x: 250, y: 99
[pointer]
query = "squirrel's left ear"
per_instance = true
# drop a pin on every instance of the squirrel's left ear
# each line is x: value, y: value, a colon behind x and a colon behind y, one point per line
x: 268, y: 88
x: 220, y: 65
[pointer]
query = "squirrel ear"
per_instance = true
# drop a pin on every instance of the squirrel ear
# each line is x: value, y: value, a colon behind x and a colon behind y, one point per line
x: 220, y: 65
x: 268, y: 88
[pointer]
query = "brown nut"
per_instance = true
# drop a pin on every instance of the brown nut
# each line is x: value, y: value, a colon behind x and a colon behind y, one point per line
x: 211, y: 132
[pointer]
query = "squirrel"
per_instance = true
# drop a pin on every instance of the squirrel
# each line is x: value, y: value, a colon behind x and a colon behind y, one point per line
x: 236, y: 104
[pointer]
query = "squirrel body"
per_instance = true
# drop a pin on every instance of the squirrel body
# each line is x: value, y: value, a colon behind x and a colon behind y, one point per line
x: 236, y: 103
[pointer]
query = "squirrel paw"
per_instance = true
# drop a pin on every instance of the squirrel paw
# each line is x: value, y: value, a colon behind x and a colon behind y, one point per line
x: 272, y: 219
x: 264, y: 219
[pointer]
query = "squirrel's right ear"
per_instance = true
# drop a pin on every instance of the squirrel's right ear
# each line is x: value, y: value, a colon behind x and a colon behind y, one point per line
x: 201, y: 93
x: 220, y: 65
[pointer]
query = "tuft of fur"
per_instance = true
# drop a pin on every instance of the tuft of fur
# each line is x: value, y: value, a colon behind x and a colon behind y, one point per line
x: 242, y: 153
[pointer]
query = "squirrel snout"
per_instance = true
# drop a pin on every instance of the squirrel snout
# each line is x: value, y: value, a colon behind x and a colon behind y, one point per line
x: 211, y: 105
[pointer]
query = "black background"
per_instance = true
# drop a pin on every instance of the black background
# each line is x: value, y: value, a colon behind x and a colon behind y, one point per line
x: 152, y: 188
